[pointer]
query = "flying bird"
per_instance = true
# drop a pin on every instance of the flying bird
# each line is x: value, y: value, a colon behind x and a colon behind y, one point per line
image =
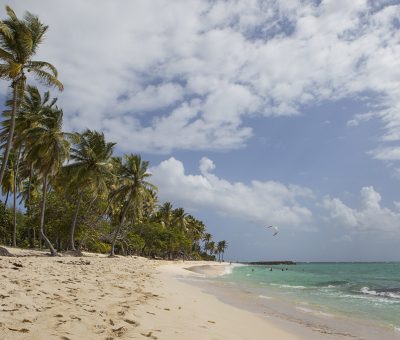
x: 276, y: 230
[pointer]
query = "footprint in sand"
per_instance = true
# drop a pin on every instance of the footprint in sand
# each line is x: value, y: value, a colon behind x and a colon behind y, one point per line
x: 119, y: 331
x: 22, y: 330
x: 131, y: 322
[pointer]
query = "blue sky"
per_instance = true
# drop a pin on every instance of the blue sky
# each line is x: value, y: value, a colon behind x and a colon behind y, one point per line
x: 251, y: 113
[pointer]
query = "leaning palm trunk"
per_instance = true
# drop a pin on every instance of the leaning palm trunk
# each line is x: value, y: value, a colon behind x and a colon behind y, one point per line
x: 43, y: 208
x: 112, y: 253
x: 28, y: 210
x: 14, y: 240
x: 72, y: 231
x: 5, y: 202
x: 15, y: 198
x: 11, y: 131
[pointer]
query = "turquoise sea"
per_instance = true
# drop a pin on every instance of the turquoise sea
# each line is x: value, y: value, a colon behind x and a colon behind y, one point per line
x: 367, y: 291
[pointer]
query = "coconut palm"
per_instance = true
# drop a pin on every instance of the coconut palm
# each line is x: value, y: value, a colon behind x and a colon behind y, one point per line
x: 207, y: 238
x: 195, y: 230
x: 180, y: 220
x: 47, y: 154
x: 90, y: 168
x: 131, y: 191
x: 211, y: 247
x: 164, y: 214
x: 8, y: 181
x: 221, y: 247
x: 12, y: 184
x: 19, y: 41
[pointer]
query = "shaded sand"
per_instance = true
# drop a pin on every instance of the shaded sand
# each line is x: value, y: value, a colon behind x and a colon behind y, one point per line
x: 95, y: 297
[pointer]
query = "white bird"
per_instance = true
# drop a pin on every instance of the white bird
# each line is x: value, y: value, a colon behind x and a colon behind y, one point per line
x: 275, y: 228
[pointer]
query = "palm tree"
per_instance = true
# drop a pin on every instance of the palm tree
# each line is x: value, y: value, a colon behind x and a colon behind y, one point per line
x: 196, y: 228
x: 180, y: 219
x: 221, y: 247
x: 8, y: 180
x: 19, y: 41
x: 30, y: 192
x: 12, y: 184
x: 90, y: 169
x: 211, y: 247
x: 47, y: 154
x: 131, y: 191
x: 207, y: 238
x: 164, y: 214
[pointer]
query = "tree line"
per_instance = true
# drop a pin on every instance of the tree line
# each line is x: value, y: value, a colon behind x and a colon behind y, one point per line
x: 77, y: 195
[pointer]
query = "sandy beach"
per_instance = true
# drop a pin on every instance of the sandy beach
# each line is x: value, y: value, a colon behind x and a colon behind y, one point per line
x: 95, y: 297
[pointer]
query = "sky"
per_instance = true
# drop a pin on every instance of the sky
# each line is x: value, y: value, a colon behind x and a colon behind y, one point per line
x: 251, y: 113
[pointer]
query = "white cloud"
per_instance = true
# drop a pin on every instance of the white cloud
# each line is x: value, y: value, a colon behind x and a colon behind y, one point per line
x: 154, y: 73
x: 261, y: 202
x: 369, y: 217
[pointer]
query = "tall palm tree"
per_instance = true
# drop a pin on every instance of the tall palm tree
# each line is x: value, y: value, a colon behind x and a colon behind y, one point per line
x: 19, y: 41
x: 211, y: 247
x: 12, y: 184
x: 180, y: 219
x: 196, y: 230
x: 90, y: 168
x: 207, y: 238
x: 221, y: 247
x: 131, y: 191
x: 47, y: 154
x: 8, y: 180
x: 164, y: 214
x: 30, y: 192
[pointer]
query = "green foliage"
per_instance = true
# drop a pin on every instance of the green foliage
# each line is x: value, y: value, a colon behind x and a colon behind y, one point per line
x: 6, y: 224
x: 95, y: 201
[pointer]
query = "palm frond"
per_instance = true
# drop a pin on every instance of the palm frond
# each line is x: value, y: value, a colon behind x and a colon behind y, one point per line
x: 43, y: 65
x: 46, y: 78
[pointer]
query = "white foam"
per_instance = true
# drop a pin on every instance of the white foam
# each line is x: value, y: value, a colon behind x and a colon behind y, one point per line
x: 366, y: 290
x: 287, y: 286
x: 229, y: 269
x: 265, y: 297
x: 312, y: 311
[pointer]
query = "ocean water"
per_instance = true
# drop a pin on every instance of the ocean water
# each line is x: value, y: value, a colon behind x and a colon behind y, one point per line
x: 368, y: 291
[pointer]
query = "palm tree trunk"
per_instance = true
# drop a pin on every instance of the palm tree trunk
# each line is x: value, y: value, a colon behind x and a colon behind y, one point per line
x: 28, y: 209
x: 72, y: 231
x: 43, y: 208
x: 112, y: 253
x: 16, y: 166
x: 5, y: 202
x: 14, y: 240
x: 11, y: 132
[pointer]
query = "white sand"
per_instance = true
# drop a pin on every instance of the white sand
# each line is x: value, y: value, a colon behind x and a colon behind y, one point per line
x: 95, y: 297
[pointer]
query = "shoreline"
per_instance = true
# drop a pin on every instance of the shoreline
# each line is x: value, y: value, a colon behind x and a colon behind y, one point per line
x: 195, y: 313
x: 96, y: 297
x: 296, y: 316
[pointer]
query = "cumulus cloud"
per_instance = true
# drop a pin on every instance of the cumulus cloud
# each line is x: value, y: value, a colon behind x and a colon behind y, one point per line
x: 369, y: 217
x: 154, y: 73
x: 260, y: 202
